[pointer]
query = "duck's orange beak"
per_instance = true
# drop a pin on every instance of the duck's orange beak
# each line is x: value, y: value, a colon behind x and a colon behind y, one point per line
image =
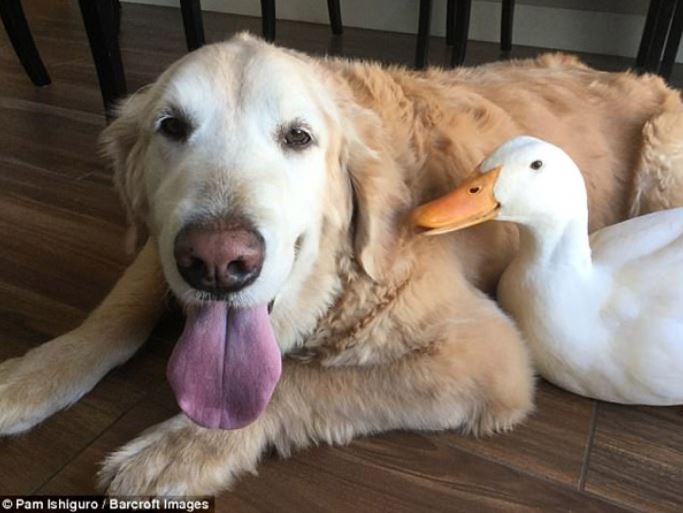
x: 473, y: 202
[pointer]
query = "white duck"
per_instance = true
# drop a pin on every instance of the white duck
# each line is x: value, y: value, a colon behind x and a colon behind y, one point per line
x: 603, y: 315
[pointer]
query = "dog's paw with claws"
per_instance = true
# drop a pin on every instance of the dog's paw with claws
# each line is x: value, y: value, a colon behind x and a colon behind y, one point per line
x: 179, y: 458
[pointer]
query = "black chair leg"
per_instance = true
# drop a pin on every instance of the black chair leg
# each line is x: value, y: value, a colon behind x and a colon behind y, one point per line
x: 334, y: 8
x: 192, y: 23
x: 99, y: 20
x: 422, y: 50
x: 117, y: 16
x: 461, y: 30
x: 450, y: 22
x: 673, y: 42
x: 506, y: 22
x: 19, y: 34
x: 661, y: 30
x: 648, y: 33
x: 268, y: 19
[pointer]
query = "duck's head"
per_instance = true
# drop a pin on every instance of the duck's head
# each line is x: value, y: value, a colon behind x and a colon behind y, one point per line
x: 526, y: 180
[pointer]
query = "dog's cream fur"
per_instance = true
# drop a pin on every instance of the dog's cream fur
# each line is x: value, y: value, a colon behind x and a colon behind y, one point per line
x: 382, y: 329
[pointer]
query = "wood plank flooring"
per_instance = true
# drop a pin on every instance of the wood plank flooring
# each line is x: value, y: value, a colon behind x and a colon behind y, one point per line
x: 61, y: 229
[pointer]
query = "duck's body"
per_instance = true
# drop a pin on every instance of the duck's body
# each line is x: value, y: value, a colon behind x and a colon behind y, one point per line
x: 603, y: 315
x: 606, y: 323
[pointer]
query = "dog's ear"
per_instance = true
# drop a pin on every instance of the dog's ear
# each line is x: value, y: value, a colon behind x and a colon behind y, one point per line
x: 380, y: 195
x: 123, y: 142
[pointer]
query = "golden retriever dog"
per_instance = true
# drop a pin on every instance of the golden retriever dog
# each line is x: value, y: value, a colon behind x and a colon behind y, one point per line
x: 274, y: 189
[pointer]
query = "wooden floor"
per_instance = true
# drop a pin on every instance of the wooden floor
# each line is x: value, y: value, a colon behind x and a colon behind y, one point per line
x: 61, y: 229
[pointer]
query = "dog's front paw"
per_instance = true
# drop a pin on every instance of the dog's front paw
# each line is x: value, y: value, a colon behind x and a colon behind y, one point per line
x: 179, y: 458
x: 32, y: 388
x: 16, y: 412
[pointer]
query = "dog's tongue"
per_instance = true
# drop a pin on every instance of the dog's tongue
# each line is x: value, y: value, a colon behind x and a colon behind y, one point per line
x: 225, y: 365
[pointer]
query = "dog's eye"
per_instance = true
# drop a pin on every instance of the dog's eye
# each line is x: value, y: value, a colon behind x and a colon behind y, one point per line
x: 174, y: 128
x: 297, y: 138
x: 536, y: 165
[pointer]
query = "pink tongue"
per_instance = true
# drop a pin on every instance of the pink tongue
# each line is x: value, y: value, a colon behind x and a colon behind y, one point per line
x: 225, y: 365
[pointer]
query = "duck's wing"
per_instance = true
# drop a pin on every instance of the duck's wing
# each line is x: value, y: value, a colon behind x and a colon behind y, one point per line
x: 642, y: 260
x: 649, y: 350
x: 637, y: 239
x: 643, y: 308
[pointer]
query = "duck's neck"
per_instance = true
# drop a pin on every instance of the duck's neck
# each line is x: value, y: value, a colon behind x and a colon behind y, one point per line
x: 552, y: 291
x: 552, y: 242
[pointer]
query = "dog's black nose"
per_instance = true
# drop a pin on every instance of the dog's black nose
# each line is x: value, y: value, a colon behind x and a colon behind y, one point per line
x: 219, y: 257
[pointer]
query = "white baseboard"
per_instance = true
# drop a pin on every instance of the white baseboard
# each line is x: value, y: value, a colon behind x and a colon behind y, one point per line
x: 547, y: 27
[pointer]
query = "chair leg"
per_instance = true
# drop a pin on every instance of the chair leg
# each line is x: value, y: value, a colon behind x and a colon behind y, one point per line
x: 19, y: 34
x: 661, y: 31
x: 506, y: 22
x: 648, y: 33
x: 334, y: 8
x: 422, y: 49
x: 192, y: 23
x: 268, y: 19
x: 98, y: 17
x: 673, y: 42
x: 117, y: 16
x: 462, y: 29
x: 450, y: 22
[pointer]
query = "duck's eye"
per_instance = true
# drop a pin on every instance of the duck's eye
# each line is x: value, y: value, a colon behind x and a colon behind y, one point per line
x: 174, y: 128
x: 297, y: 138
x: 536, y: 165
